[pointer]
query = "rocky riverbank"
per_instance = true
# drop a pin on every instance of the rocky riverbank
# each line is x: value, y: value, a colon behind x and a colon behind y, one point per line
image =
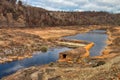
x: 108, y: 71
x: 112, y: 49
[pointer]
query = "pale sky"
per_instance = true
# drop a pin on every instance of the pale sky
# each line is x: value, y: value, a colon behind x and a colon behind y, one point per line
x: 77, y: 5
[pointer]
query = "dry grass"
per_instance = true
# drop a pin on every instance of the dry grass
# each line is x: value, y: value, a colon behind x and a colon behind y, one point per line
x: 50, y: 33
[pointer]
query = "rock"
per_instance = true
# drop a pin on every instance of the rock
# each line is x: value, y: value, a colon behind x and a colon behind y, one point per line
x: 100, y: 63
x: 51, y: 64
x: 118, y: 75
x: 34, y: 76
x: 97, y: 63
x: 41, y: 76
x: 49, y: 70
x: 56, y: 78
x: 37, y: 76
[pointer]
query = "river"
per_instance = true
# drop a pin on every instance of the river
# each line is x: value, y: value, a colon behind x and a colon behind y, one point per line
x: 99, y: 38
x: 39, y: 58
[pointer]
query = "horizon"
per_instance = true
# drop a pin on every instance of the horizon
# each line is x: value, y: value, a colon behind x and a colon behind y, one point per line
x: 111, y: 6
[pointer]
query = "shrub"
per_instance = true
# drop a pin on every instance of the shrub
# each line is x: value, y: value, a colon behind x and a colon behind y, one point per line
x: 44, y: 48
x: 51, y: 64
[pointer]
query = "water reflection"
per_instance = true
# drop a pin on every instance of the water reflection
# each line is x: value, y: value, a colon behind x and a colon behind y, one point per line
x: 39, y: 58
x: 97, y: 36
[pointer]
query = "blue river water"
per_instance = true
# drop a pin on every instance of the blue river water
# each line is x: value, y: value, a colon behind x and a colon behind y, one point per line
x: 99, y: 37
x: 39, y: 58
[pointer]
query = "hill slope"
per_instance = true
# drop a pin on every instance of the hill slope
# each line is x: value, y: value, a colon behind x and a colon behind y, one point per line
x: 12, y: 14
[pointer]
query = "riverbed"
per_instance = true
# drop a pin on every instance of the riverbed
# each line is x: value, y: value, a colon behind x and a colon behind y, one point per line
x: 39, y: 58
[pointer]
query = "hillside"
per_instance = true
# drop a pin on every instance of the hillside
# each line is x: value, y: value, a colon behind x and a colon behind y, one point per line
x: 19, y: 15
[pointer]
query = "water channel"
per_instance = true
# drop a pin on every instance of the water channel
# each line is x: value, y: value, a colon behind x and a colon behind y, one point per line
x: 97, y: 36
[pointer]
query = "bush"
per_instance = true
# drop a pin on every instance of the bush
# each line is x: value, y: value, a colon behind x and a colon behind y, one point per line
x: 99, y: 63
x: 44, y: 48
x: 51, y: 64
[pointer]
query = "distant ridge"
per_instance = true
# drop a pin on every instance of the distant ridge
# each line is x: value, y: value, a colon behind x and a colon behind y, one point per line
x: 19, y: 15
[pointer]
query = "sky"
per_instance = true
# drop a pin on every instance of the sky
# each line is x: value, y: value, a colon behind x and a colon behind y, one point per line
x: 112, y: 6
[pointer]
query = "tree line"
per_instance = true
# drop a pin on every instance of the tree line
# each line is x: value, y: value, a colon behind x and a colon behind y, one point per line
x: 17, y: 14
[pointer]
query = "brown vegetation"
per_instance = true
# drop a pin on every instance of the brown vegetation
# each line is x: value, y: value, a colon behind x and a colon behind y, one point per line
x: 19, y: 15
